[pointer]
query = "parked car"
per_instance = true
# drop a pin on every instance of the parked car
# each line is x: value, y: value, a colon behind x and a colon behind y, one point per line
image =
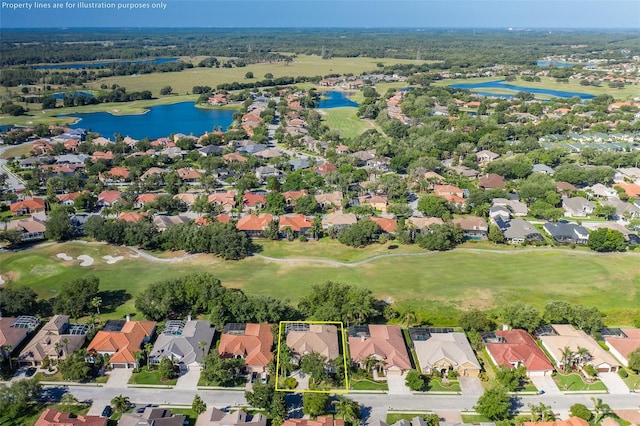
x: 107, y: 411
x: 264, y: 378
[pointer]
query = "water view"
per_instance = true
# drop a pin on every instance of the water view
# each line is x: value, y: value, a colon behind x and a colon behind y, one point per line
x: 101, y: 64
x: 333, y: 99
x: 500, y: 84
x: 159, y: 121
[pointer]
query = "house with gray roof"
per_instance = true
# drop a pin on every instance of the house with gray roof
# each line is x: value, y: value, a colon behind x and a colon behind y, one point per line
x: 567, y: 233
x: 518, y: 230
x: 216, y: 417
x: 181, y: 341
x: 516, y: 207
x: 623, y: 209
x: 577, y: 207
x: 152, y: 416
x: 542, y: 168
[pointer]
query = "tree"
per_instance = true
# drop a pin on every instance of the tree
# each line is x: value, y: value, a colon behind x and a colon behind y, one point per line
x: 166, y: 90
x: 58, y: 226
x: 634, y: 360
x: 360, y: 234
x: 440, y: 237
x: 567, y: 358
x: 198, y: 405
x: 75, y: 367
x: 120, y: 403
x: 315, y: 404
x: 414, y: 380
x: 511, y: 378
x: 307, y: 205
x: 249, y: 74
x: 476, y: 320
x: 276, y: 203
x: 541, y: 413
x: 434, y: 206
x: 605, y: 211
x: 581, y: 410
x: 519, y: 315
x: 314, y: 364
x: 495, y: 235
x: 606, y: 240
x: 347, y: 409
x: 494, y: 403
x: 557, y: 312
x: 76, y: 295
x: 16, y: 301
x: 220, y: 371
x: 333, y: 301
x: 16, y: 399
x: 166, y: 369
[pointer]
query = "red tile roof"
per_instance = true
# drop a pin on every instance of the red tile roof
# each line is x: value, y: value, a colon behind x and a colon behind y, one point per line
x: 51, y: 417
x: 387, y: 225
x: 252, y: 222
x: 250, y: 199
x: 319, y: 421
x: 325, y: 168
x: 30, y: 204
x: 124, y: 343
x: 131, y: 217
x: 519, y: 348
x: 109, y: 196
x: 254, y: 345
x: 386, y: 342
x: 296, y: 222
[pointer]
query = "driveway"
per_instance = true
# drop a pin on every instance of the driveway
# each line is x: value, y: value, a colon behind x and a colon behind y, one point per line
x: 471, y: 386
x: 546, y: 384
x: 614, y: 383
x: 188, y: 380
x: 119, y: 377
x: 397, y: 386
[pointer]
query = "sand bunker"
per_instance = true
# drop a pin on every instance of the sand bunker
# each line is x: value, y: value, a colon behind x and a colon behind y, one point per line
x: 111, y: 259
x: 1, y: 280
x: 86, y: 260
x: 64, y: 256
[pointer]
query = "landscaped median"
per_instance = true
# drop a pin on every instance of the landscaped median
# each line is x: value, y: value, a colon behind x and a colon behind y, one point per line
x: 574, y: 383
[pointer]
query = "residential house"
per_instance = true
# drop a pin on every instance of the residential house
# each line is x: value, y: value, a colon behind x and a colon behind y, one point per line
x: 268, y: 153
x: 571, y: 421
x: 624, y: 209
x: 32, y: 229
x: 185, y: 343
x: 13, y: 331
x: 233, y: 157
x: 254, y: 225
x: 290, y: 197
x: 68, y: 199
x: 251, y: 342
x: 299, y: 163
x: 144, y: 199
x: 252, y: 201
x: 28, y: 206
x: 518, y: 230
x: 210, y: 150
x: 599, y: 190
x: 108, y: 198
x: 121, y: 340
x: 52, y: 417
x: 567, y: 233
x: 304, y: 338
x: 338, y: 220
x: 131, y: 217
x: 329, y: 200
x: 465, y: 171
x: 382, y: 342
x: 226, y: 200
x: 216, y: 417
x: 424, y: 222
x: 565, y: 188
x: 559, y: 336
x: 189, y: 175
x: 474, y: 227
x: 577, y: 207
x: 264, y: 172
x: 515, y: 348
x: 621, y: 342
x: 57, y: 339
x: 152, y: 171
x: 101, y: 155
x: 377, y: 202
x: 318, y: 421
x: 152, y: 416
x: 387, y: 225
x: 631, y: 189
x: 516, y: 207
x: 443, y: 350
x: 491, y: 181
x: 452, y: 194
x: 499, y: 211
x: 189, y: 198
x: 416, y: 421
x: 325, y: 168
x: 163, y: 221
x: 485, y: 156
x: 542, y: 168
x: 627, y: 174
x: 115, y: 175
x: 298, y: 223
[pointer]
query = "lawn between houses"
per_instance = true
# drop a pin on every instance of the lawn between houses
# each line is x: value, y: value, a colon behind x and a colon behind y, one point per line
x: 435, y: 284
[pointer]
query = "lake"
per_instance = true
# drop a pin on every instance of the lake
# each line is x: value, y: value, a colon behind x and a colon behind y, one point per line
x: 101, y: 64
x: 500, y: 84
x: 160, y: 121
x: 560, y: 64
x: 333, y: 99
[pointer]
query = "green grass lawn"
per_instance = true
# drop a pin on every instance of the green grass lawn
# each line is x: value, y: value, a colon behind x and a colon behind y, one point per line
x: 633, y: 381
x: 365, y: 384
x: 474, y: 418
x: 573, y: 382
x: 435, y: 285
x: 345, y: 121
x: 191, y: 415
x: 436, y: 385
x: 150, y: 377
x: 394, y: 417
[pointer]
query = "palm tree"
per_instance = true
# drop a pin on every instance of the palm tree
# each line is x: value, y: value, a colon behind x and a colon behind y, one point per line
x: 600, y: 408
x: 582, y: 355
x: 95, y: 303
x: 409, y: 317
x: 202, y: 345
x: 6, y: 353
x: 120, y: 403
x: 148, y: 347
x: 56, y: 347
x: 369, y: 362
x: 65, y: 341
x: 567, y: 355
x: 347, y: 409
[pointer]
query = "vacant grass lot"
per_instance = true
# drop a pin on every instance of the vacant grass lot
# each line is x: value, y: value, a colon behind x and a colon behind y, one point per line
x: 345, y: 120
x: 434, y: 284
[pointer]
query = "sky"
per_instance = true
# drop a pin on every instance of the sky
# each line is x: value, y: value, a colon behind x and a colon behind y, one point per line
x: 516, y: 14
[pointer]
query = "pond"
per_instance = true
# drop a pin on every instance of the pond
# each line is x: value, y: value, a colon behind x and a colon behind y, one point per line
x: 159, y: 121
x: 101, y: 64
x: 500, y: 84
x: 334, y: 99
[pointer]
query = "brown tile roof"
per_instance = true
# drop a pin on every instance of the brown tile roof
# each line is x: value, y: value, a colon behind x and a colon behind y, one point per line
x: 385, y: 342
x: 122, y: 172
x: 423, y: 222
x: 471, y: 223
x: 519, y: 348
x: 319, y: 421
x: 234, y: 156
x: 146, y: 198
x: 296, y: 222
x: 320, y: 338
x: 625, y: 346
x: 131, y: 217
x: 189, y: 174
x: 186, y: 197
x: 11, y: 335
x: 325, y: 168
x: 491, y: 180
x: 571, y: 421
x: 387, y: 225
x: 254, y: 345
